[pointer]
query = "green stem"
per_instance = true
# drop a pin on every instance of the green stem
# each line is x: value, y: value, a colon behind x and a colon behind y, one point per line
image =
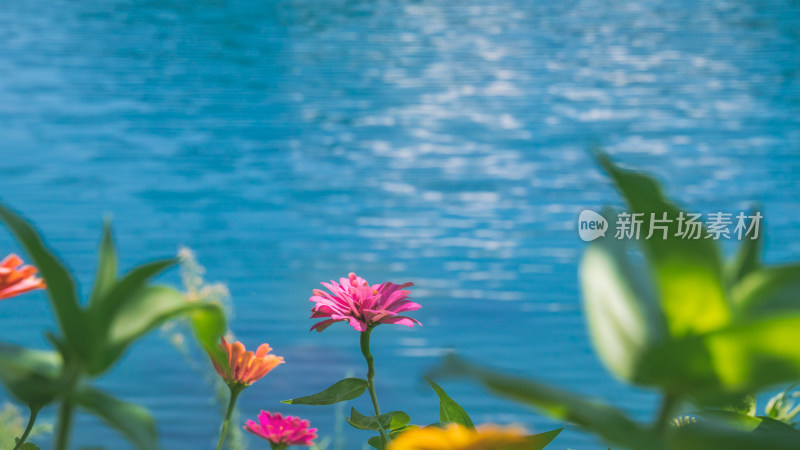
x: 371, y: 381
x: 278, y: 446
x: 65, y: 415
x: 668, y: 404
x: 31, y: 421
x: 235, y: 391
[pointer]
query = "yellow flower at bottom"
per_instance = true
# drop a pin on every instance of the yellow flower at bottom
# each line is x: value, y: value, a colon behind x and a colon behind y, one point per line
x: 457, y: 437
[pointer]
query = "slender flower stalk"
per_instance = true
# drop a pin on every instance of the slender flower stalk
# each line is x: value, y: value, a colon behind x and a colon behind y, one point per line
x: 243, y: 368
x: 28, y: 428
x: 235, y: 391
x: 371, y: 379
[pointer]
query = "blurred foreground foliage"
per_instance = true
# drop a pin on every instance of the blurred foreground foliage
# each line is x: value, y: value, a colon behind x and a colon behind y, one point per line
x: 95, y: 334
x: 670, y: 315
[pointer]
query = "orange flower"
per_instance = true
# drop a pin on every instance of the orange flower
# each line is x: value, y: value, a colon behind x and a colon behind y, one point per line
x: 245, y: 368
x: 16, y: 280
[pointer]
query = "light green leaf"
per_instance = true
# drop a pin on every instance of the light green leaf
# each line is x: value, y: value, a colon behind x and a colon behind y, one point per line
x: 31, y: 376
x: 621, y: 307
x: 106, y: 267
x: 598, y: 418
x: 388, y: 421
x: 208, y: 325
x: 449, y: 410
x: 60, y: 287
x: 343, y: 390
x: 131, y: 420
x: 750, y: 356
x: 688, y: 272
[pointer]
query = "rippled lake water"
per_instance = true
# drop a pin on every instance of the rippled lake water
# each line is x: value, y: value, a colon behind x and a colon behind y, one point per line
x: 444, y: 143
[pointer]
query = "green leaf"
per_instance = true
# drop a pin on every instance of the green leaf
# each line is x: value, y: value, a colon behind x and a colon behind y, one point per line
x: 598, y: 418
x: 343, y: 390
x: 60, y: 287
x: 688, y: 272
x: 208, y: 325
x: 747, y: 259
x: 133, y: 421
x: 735, y: 420
x: 750, y: 356
x: 31, y: 376
x: 106, y: 267
x: 376, y: 442
x: 770, y: 290
x: 622, y: 310
x: 541, y: 440
x: 29, y: 446
x: 107, y: 308
x: 145, y: 311
x: 449, y: 410
x: 388, y: 421
x: 706, y: 435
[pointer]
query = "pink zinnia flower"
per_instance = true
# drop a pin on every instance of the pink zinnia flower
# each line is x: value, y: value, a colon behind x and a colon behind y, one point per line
x: 16, y: 280
x: 245, y: 367
x: 280, y: 431
x: 354, y: 300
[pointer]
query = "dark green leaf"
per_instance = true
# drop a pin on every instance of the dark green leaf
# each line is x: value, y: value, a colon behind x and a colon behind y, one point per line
x: 707, y: 435
x: 621, y: 307
x: 598, y: 418
x: 343, y: 390
x: 60, y: 287
x: 106, y: 267
x: 449, y: 410
x: 541, y: 440
x: 769, y: 290
x: 388, y: 421
x: 31, y: 376
x: 29, y: 446
x: 131, y: 420
x: 376, y: 442
x: 688, y: 272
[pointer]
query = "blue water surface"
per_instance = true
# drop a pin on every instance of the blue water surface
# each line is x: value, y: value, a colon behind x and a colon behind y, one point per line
x: 441, y: 142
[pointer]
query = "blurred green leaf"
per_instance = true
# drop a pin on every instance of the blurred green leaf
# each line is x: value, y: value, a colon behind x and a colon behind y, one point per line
x: 713, y: 435
x: 106, y: 267
x: 541, y: 440
x: 29, y: 446
x: 746, y: 404
x: 60, y: 287
x: 688, y: 272
x: 31, y: 376
x: 449, y: 410
x: 747, y: 259
x: 621, y: 307
x: 769, y: 290
x: 598, y: 418
x: 106, y: 309
x: 147, y: 309
x: 131, y: 420
x: 388, y: 421
x: 758, y: 354
x: 341, y: 391
x: 208, y: 325
x: 738, y: 421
